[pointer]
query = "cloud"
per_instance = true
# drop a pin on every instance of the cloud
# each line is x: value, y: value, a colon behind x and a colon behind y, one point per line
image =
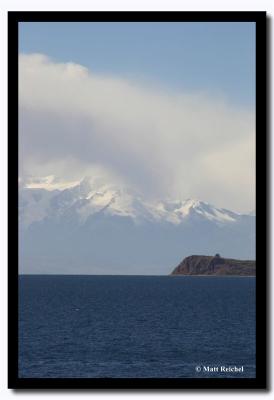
x: 164, y: 143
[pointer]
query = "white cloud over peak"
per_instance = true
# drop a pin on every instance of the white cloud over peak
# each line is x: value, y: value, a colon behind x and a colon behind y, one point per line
x: 164, y: 143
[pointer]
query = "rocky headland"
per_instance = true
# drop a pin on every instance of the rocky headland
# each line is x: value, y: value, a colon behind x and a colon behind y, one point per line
x: 215, y: 265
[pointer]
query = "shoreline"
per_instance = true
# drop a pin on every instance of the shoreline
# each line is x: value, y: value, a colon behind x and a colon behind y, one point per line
x: 114, y: 275
x: 220, y: 276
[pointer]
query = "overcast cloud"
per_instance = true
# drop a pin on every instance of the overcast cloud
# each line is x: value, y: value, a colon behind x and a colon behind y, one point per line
x: 166, y: 144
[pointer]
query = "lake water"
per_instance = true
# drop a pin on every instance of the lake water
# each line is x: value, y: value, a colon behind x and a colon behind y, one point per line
x: 136, y: 326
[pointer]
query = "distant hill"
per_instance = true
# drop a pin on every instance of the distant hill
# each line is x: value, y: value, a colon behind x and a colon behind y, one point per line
x: 208, y: 265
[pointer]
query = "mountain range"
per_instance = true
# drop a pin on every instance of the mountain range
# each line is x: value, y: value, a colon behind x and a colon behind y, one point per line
x: 92, y: 226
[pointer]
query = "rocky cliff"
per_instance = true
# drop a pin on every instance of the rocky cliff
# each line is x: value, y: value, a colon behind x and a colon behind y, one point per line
x: 209, y: 265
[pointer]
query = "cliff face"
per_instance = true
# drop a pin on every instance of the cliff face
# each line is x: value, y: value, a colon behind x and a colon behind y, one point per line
x: 208, y: 265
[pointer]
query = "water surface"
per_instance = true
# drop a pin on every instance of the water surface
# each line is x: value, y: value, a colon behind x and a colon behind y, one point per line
x: 135, y: 326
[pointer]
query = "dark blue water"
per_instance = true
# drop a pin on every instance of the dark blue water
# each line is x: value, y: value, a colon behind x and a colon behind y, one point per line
x: 136, y: 326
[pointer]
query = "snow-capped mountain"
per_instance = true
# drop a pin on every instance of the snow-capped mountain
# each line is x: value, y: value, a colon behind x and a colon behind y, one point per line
x: 91, y: 223
x: 45, y: 198
x: 178, y: 211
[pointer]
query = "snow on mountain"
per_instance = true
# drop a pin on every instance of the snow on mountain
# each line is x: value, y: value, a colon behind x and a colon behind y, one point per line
x: 180, y: 210
x: 48, y: 197
x: 93, y: 226
x: 49, y: 182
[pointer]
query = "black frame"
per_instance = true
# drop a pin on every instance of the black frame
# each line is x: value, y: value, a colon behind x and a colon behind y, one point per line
x: 260, y: 382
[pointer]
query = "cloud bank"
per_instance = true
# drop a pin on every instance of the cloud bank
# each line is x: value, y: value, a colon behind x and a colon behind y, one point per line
x: 72, y: 121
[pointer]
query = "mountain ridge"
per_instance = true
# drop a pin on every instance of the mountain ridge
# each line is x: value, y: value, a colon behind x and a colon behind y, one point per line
x: 94, y: 225
x: 87, y: 197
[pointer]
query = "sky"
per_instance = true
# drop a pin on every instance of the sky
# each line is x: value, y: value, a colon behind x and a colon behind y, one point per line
x: 167, y: 107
